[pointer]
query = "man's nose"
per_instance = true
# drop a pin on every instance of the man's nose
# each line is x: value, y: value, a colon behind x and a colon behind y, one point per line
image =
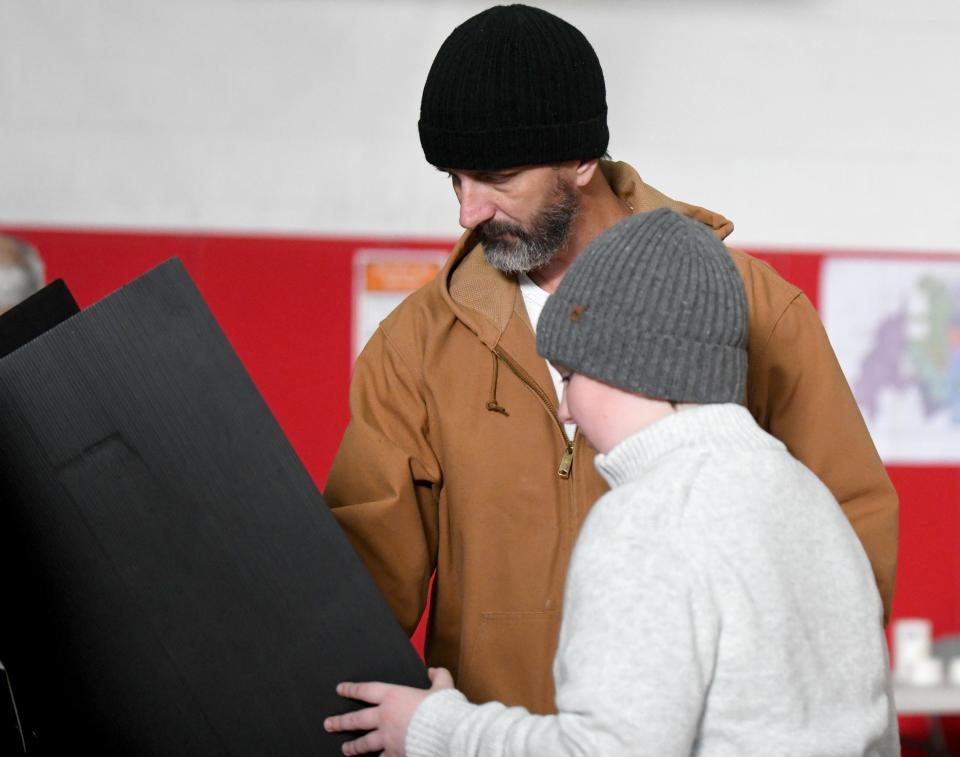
x: 475, y: 204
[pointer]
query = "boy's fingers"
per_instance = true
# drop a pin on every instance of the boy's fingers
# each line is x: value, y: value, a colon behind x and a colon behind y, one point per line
x: 361, y: 720
x: 372, y: 742
x: 365, y: 692
x: 440, y: 678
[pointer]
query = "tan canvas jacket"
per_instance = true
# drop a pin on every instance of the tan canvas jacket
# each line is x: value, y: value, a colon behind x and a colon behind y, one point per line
x: 455, y: 460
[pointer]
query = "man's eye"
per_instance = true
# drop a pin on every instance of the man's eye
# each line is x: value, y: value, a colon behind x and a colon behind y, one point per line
x: 493, y: 178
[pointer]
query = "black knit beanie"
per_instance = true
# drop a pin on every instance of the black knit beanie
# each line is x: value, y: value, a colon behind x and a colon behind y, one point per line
x: 513, y: 86
x: 654, y: 305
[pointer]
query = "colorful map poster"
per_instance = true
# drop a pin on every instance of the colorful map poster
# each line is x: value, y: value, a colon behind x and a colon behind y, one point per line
x: 895, y: 326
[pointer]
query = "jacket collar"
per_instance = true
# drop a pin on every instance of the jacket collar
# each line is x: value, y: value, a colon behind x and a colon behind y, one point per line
x: 485, y: 300
x: 627, y: 184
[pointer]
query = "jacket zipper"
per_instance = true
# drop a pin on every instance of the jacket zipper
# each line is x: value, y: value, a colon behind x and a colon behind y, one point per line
x: 566, y: 461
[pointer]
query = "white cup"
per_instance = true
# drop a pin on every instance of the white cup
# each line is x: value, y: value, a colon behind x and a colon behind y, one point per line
x: 912, y: 642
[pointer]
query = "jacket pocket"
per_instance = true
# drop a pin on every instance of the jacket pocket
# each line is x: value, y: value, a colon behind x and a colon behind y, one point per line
x: 510, y: 660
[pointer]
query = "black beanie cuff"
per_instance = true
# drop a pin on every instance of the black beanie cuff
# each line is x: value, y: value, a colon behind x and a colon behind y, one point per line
x: 496, y: 149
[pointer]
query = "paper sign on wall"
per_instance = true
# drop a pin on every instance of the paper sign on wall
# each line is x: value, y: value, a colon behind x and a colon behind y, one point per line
x: 895, y: 326
x: 381, y: 281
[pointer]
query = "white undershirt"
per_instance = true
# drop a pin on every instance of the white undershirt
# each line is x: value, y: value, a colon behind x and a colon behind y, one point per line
x: 534, y: 298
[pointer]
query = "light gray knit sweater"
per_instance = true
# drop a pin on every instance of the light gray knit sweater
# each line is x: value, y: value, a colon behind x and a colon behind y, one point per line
x: 717, y: 603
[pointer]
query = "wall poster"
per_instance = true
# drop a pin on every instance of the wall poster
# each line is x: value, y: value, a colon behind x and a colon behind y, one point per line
x: 381, y: 281
x: 895, y: 326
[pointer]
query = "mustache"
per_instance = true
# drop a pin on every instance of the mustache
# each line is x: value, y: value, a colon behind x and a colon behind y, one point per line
x: 492, y: 230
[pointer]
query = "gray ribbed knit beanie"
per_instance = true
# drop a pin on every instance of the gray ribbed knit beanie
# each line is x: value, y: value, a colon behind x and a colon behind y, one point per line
x: 653, y: 305
x: 513, y: 86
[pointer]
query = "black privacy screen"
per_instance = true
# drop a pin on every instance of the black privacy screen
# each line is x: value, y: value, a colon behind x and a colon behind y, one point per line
x: 37, y: 314
x: 172, y: 581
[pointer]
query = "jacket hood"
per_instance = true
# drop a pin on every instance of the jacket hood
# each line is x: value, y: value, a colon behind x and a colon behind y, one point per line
x: 485, y: 299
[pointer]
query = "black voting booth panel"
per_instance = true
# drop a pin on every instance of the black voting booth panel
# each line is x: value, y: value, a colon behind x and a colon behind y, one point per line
x: 174, y: 583
x: 37, y: 314
x: 24, y: 322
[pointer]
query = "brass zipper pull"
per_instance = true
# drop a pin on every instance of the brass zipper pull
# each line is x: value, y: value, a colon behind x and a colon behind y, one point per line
x: 566, y: 462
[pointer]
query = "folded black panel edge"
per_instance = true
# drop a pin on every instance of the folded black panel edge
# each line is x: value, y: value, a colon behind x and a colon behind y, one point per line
x: 36, y: 315
x: 174, y: 582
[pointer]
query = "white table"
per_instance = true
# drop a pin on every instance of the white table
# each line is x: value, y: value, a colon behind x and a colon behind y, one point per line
x: 930, y: 702
x: 926, y: 700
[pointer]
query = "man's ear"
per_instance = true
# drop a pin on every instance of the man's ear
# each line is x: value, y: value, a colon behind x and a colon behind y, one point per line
x: 585, y: 171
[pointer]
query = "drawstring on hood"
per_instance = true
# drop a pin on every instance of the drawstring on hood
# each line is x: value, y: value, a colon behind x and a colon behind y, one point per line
x: 492, y: 405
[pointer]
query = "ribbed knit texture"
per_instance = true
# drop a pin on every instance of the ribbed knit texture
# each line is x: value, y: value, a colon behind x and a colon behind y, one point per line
x: 513, y: 86
x: 655, y: 305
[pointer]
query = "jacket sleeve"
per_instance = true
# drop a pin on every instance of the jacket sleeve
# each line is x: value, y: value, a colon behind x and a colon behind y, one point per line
x: 385, y: 479
x: 797, y: 391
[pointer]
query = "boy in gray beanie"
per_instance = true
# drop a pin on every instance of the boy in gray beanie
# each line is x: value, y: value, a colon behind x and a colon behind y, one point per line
x: 694, y: 620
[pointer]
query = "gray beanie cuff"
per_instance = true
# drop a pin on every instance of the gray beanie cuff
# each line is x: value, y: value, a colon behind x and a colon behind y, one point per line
x: 657, y: 365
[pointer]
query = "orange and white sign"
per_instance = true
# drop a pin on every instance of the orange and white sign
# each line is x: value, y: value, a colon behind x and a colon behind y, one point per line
x: 381, y: 281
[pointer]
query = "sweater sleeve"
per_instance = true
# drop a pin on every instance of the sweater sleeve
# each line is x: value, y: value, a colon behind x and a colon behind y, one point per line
x: 799, y: 394
x: 384, y: 482
x: 635, y: 659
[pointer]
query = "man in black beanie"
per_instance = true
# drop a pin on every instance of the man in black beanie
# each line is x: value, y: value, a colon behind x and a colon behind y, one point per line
x: 455, y: 463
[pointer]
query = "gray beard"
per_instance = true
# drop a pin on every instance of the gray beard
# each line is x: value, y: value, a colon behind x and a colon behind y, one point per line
x: 513, y: 249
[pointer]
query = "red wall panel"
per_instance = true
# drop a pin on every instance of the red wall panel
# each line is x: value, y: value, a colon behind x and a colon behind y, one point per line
x: 285, y: 304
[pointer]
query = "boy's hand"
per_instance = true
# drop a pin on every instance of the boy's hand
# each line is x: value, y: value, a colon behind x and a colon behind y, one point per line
x: 387, y: 722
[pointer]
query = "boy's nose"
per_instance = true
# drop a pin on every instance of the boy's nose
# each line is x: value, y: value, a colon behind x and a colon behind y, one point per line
x: 563, y: 412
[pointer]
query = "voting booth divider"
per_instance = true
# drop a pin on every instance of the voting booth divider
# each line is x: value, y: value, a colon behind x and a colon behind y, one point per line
x: 173, y: 582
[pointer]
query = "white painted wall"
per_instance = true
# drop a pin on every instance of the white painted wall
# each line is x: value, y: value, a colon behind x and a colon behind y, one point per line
x: 814, y: 123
